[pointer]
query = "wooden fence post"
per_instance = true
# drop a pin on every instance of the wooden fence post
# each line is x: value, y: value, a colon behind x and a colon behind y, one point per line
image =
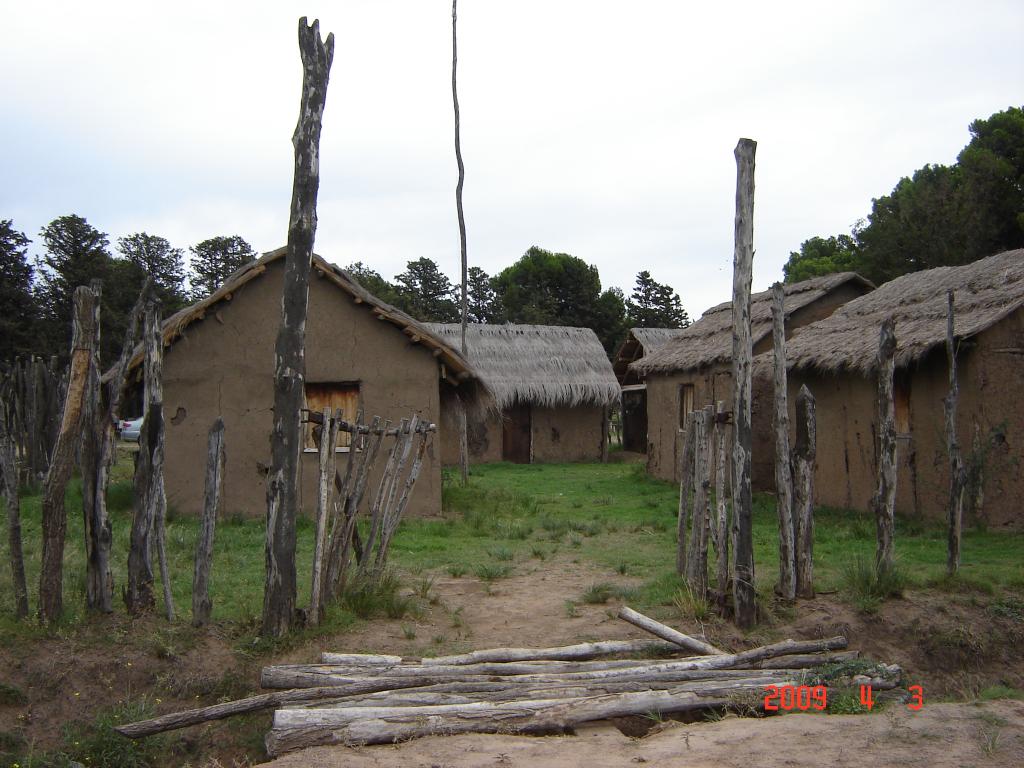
x: 685, y: 490
x: 9, y: 490
x: 804, y: 458
x: 328, y: 469
x: 884, y: 501
x: 290, y: 352
x: 460, y: 409
x: 98, y: 576
x: 957, y: 475
x: 83, y: 341
x: 742, y: 500
x: 721, y: 508
x: 697, y: 560
x: 213, y: 503
x: 783, y: 475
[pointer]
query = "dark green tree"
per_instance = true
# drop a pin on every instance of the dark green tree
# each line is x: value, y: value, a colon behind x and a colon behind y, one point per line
x: 372, y: 281
x: 215, y: 260
x: 481, y: 299
x: 154, y: 256
x: 426, y: 293
x: 17, y: 308
x: 548, y: 288
x: 76, y: 253
x: 654, y: 305
x: 821, y: 256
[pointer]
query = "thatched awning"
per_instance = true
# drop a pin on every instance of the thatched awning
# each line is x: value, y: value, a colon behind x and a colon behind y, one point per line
x: 543, y: 365
x: 709, y: 340
x: 638, y: 343
x: 455, y: 366
x: 984, y: 293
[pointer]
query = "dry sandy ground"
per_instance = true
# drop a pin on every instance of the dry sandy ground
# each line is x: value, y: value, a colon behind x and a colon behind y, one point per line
x: 939, y: 736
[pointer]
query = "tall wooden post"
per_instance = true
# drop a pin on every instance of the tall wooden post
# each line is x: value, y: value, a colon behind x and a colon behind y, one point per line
x: 783, y: 475
x: 62, y: 463
x: 884, y: 501
x: 98, y: 578
x: 606, y: 418
x: 328, y: 469
x: 685, y: 491
x: 957, y: 475
x: 463, y: 441
x: 463, y: 303
x: 697, y: 560
x: 804, y: 457
x: 9, y: 493
x: 213, y: 503
x: 290, y: 353
x: 742, y: 499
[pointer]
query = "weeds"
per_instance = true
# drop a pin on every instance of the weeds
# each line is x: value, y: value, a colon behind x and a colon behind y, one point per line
x: 597, y: 594
x: 571, y: 609
x: 868, y: 586
x: 368, y: 599
x: 489, y: 572
x: 1007, y: 607
x: 501, y: 554
x: 691, y: 606
x: 995, y: 692
x: 408, y: 632
x: 12, y: 696
x: 539, y: 553
x: 456, y: 570
x: 98, y: 745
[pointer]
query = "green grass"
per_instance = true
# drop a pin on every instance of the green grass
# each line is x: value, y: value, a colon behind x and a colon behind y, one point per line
x: 610, y: 516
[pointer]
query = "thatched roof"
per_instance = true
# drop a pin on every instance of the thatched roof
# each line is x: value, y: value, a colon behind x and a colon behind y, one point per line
x: 544, y: 365
x: 456, y: 368
x: 709, y: 340
x: 983, y: 293
x: 638, y: 342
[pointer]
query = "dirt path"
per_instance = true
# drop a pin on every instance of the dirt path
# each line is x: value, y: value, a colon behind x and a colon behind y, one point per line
x: 939, y: 736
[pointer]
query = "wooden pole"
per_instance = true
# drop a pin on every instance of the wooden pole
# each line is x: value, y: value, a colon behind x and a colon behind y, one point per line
x: 290, y: 352
x: 83, y: 342
x: 742, y: 349
x: 463, y: 441
x: 803, y: 490
x: 884, y: 501
x: 98, y: 577
x: 721, y: 510
x: 464, y: 302
x: 328, y: 469
x: 783, y: 474
x: 213, y: 504
x: 157, y: 498
x: 606, y: 416
x: 957, y: 475
x: 12, y: 501
x: 685, y: 489
x: 697, y: 559
x: 667, y: 633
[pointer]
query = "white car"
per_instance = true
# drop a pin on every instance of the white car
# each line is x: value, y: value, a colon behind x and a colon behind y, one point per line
x: 130, y: 429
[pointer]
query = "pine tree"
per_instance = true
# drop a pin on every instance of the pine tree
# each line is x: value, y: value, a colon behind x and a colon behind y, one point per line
x: 426, y: 293
x: 482, y: 300
x: 154, y: 256
x: 215, y: 260
x: 372, y: 281
x: 17, y: 309
x: 654, y: 305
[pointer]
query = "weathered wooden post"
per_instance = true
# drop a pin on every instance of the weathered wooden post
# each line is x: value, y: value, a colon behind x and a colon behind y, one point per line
x: 721, y: 508
x: 150, y: 503
x: 606, y: 418
x: 884, y: 501
x: 685, y: 491
x: 957, y: 475
x: 90, y: 455
x: 783, y: 474
x: 290, y: 352
x: 213, y: 503
x: 9, y: 490
x: 62, y: 463
x: 463, y: 441
x: 328, y: 469
x: 804, y: 457
x: 463, y: 303
x: 697, y: 559
x: 742, y: 499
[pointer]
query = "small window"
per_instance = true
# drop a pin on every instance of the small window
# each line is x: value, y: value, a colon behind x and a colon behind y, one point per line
x: 343, y: 395
x: 901, y: 401
x: 685, y: 402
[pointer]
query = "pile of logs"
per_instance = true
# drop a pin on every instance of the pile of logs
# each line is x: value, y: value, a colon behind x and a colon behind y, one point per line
x: 352, y: 699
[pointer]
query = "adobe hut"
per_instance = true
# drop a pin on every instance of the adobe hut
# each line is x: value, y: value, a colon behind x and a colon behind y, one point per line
x: 638, y: 343
x: 694, y: 369
x: 360, y: 353
x: 553, y: 386
x: 836, y: 359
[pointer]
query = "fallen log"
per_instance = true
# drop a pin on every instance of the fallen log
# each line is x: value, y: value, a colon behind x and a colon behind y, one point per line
x: 313, y: 675
x: 297, y: 729
x: 177, y: 720
x: 579, y: 651
x: 667, y: 633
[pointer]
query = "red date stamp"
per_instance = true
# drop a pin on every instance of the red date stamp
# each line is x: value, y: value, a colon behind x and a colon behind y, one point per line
x: 805, y: 697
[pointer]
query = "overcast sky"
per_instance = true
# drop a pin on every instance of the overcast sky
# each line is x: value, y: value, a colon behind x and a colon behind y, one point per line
x: 602, y: 129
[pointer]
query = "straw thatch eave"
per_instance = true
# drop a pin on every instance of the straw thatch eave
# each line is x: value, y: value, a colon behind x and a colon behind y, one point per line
x: 544, y: 365
x: 709, y: 340
x: 984, y: 292
x: 455, y: 368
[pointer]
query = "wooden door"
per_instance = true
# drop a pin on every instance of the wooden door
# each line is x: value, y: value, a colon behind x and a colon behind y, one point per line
x: 634, y: 421
x: 515, y: 437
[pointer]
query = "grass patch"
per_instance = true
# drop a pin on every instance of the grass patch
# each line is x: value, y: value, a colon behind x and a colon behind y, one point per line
x: 492, y: 572
x: 691, y: 606
x: 370, y: 599
x: 846, y: 701
x: 998, y: 692
x: 98, y: 745
x: 1007, y: 607
x: 12, y: 695
x: 867, y: 586
x: 597, y: 594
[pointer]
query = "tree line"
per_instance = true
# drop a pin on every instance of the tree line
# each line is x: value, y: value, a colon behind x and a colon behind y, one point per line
x: 542, y: 287
x: 940, y: 216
